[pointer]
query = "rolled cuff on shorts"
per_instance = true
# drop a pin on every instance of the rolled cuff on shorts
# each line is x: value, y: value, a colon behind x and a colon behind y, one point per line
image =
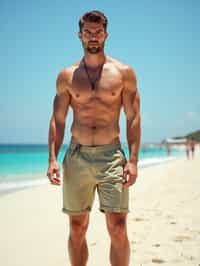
x: 70, y: 212
x: 110, y: 209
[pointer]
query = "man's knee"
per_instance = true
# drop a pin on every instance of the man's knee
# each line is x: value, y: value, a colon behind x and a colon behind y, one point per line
x: 78, y: 227
x: 116, y: 225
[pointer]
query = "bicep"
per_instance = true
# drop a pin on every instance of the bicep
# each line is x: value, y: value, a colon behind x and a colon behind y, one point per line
x: 61, y: 100
x: 60, y: 107
x: 131, y: 98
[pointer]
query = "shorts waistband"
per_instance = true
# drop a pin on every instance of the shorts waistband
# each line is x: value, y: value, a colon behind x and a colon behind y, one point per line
x: 98, y: 148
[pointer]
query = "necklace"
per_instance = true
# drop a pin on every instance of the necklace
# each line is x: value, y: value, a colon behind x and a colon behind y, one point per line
x: 93, y: 82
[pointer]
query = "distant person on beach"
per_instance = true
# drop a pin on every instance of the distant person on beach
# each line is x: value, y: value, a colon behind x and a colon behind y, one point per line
x: 190, y: 148
x: 96, y: 88
x: 168, y: 149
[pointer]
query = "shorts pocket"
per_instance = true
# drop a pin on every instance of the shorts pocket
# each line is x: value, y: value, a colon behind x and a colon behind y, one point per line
x: 123, y: 154
x: 66, y: 155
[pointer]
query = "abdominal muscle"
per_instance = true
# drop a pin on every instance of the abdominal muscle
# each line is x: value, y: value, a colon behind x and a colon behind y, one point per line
x: 92, y: 132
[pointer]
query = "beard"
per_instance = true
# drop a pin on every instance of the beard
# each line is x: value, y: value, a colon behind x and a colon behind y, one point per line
x: 93, y: 49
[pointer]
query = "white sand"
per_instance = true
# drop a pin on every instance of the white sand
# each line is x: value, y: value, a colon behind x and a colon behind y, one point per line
x: 163, y: 226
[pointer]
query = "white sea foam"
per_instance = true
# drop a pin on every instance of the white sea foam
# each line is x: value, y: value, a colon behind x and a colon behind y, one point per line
x: 154, y: 161
x: 17, y: 185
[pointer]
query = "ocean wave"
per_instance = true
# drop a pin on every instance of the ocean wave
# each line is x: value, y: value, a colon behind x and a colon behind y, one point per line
x: 154, y: 161
x: 18, y: 185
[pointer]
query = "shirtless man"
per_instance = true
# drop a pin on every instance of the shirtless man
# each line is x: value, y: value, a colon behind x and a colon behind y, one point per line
x: 96, y: 88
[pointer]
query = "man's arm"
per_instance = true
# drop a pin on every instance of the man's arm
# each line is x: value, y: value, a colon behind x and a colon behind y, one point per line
x: 131, y: 104
x: 57, y: 125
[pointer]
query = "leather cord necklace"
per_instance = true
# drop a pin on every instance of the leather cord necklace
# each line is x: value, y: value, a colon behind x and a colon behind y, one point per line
x: 93, y: 82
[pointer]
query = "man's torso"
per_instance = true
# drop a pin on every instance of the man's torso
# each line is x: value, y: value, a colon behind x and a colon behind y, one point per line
x: 95, y: 112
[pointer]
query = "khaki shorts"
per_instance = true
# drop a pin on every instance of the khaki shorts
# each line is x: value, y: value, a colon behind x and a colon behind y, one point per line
x: 87, y: 169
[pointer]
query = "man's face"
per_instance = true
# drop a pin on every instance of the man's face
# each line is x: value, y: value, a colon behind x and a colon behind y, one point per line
x: 93, y: 36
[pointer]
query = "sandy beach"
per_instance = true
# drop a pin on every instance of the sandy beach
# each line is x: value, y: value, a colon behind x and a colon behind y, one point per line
x: 163, y: 225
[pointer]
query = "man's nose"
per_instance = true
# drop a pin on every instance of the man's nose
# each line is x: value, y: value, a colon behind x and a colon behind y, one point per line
x: 93, y: 36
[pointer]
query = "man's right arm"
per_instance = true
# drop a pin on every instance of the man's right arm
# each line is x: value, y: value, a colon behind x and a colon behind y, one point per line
x: 57, y: 126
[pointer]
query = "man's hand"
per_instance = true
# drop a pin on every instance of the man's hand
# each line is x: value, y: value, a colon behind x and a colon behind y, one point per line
x: 53, y: 173
x: 129, y: 174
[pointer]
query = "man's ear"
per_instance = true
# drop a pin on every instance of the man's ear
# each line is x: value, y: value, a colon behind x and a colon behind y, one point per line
x: 106, y: 35
x: 80, y: 35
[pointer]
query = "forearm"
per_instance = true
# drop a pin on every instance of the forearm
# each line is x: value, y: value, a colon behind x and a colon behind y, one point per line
x: 56, y: 135
x: 133, y: 138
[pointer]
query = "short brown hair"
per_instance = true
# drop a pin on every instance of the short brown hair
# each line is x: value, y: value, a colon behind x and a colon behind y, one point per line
x: 93, y: 16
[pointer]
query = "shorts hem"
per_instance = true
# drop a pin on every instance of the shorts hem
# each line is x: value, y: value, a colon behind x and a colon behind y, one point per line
x: 70, y: 212
x: 110, y: 209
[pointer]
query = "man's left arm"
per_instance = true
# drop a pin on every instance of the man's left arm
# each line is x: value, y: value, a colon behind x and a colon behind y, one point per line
x: 131, y: 104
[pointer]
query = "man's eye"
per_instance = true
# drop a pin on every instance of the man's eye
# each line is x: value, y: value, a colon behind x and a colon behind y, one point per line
x: 98, y: 33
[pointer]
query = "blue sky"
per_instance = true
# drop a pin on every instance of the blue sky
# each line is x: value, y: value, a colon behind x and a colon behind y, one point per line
x: 159, y: 39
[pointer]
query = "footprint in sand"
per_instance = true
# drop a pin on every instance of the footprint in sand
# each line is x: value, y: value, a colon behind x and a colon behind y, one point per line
x: 169, y: 217
x: 157, y: 260
x: 176, y: 261
x: 173, y: 223
x: 138, y: 219
x: 156, y: 245
x: 133, y: 250
x: 188, y: 257
x: 133, y: 242
x: 182, y: 238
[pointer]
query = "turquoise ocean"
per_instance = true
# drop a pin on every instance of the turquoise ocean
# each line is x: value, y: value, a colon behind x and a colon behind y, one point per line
x: 25, y: 165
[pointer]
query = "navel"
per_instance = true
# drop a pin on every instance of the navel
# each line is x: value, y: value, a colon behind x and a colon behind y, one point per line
x: 77, y: 95
x: 113, y: 93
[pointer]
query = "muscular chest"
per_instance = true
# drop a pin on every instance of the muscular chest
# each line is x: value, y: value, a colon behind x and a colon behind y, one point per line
x: 107, y: 89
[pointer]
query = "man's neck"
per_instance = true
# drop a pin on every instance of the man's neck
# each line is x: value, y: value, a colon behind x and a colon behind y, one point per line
x: 94, y: 60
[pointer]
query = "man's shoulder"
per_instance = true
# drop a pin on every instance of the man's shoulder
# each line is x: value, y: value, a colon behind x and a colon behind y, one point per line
x: 121, y: 66
x: 67, y: 72
x: 64, y: 78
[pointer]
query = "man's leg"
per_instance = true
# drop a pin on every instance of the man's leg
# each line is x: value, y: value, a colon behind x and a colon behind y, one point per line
x: 120, y: 249
x: 77, y: 245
